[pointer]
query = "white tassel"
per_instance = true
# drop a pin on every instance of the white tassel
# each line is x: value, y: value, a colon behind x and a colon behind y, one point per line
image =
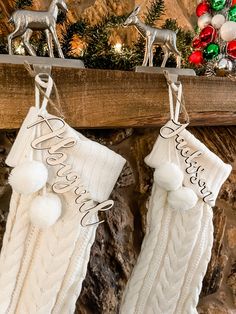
x: 28, y: 177
x: 45, y: 210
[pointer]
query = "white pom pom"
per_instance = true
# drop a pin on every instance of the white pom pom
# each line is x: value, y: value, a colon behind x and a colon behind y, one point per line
x: 182, y: 199
x: 28, y: 177
x: 169, y: 176
x: 45, y: 210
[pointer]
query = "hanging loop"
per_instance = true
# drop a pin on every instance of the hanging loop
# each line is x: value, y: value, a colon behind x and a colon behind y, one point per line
x: 44, y: 81
x: 44, y: 77
x: 175, y: 89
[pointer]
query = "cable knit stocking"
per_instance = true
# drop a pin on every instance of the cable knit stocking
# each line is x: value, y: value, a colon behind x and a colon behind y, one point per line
x: 42, y: 269
x: 168, y: 276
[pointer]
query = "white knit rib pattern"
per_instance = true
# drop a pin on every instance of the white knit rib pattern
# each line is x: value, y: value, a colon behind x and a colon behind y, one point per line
x: 72, y: 294
x: 13, y: 251
x: 14, y: 203
x: 40, y: 270
x: 76, y: 272
x: 176, y: 249
x: 158, y: 276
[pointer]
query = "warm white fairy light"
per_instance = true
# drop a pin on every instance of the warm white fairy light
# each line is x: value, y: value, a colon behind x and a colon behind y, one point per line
x: 118, y: 47
x: 20, y: 49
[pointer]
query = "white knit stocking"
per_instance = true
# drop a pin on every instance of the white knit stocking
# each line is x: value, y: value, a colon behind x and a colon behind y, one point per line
x: 176, y: 249
x: 42, y: 270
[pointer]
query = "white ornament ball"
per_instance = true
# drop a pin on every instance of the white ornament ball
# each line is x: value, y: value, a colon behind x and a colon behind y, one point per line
x: 169, y: 176
x: 228, y: 31
x: 218, y: 20
x: 28, y: 177
x: 204, y: 20
x: 182, y: 199
x: 45, y: 210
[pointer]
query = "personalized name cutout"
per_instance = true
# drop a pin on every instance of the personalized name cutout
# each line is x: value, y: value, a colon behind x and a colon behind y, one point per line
x: 192, y: 167
x: 67, y: 179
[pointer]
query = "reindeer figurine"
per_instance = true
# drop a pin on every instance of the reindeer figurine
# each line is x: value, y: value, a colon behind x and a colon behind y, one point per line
x: 154, y: 36
x: 26, y: 22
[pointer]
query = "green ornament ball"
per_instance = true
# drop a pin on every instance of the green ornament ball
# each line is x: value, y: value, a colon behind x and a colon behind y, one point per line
x: 211, y: 51
x: 232, y: 14
x: 218, y: 5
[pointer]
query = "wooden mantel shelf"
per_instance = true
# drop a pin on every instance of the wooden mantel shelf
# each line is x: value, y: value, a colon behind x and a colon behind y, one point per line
x: 101, y: 98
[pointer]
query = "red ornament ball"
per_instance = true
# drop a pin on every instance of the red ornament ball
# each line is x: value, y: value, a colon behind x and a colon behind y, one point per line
x: 197, y: 43
x: 202, y: 8
x: 196, y: 57
x: 207, y: 35
x: 233, y: 2
x: 231, y: 49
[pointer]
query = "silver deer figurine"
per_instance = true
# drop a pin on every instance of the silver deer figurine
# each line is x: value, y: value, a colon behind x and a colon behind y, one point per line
x: 165, y: 38
x: 26, y: 22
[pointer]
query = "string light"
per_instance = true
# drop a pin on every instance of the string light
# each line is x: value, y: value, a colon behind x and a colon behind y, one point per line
x: 118, y: 47
x: 20, y: 49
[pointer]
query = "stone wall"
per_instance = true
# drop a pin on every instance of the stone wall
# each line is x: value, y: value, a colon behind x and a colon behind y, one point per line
x: 119, y: 239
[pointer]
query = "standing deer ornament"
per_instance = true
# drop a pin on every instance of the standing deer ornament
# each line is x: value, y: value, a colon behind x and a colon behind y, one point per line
x: 164, y: 38
x: 26, y: 22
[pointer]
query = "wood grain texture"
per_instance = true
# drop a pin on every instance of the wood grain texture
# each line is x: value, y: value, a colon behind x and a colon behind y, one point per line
x: 100, y: 98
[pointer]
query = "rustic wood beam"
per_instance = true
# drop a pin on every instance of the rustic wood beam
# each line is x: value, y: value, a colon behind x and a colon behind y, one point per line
x: 101, y: 98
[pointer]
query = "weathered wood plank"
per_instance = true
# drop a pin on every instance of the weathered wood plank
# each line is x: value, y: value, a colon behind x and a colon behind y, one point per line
x: 100, y: 98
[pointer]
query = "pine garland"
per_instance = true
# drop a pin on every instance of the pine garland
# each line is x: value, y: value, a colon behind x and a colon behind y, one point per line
x: 22, y: 4
x: 96, y: 49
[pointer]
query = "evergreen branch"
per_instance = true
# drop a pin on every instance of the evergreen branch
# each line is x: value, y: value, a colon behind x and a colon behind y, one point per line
x: 155, y: 11
x: 21, y: 4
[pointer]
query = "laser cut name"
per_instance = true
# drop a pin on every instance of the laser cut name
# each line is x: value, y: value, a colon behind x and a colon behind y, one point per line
x: 193, y: 168
x: 66, y: 178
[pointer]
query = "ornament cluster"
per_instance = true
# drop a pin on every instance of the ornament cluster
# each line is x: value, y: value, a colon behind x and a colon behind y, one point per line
x: 28, y: 178
x: 216, y: 41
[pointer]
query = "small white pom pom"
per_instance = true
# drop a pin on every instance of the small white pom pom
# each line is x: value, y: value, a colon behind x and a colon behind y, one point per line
x: 169, y: 176
x: 45, y: 210
x: 182, y: 199
x: 228, y: 31
x: 28, y: 177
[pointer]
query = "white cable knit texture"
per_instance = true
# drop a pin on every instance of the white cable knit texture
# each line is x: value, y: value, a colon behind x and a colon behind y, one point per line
x: 42, y: 271
x: 176, y: 249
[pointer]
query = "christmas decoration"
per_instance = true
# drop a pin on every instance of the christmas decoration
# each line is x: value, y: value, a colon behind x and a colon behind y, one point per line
x: 179, y: 236
x: 211, y: 51
x: 51, y: 230
x: 204, y: 20
x: 217, y: 38
x: 202, y: 8
x: 231, y: 49
x: 169, y: 176
x: 218, y: 5
x: 196, y: 57
x: 182, y: 199
x: 26, y: 22
x: 207, y: 35
x: 94, y: 44
x: 228, y: 31
x: 232, y: 14
x: 28, y: 177
x: 218, y: 20
x: 197, y: 43
x: 165, y: 38
x: 45, y: 210
x: 224, y: 67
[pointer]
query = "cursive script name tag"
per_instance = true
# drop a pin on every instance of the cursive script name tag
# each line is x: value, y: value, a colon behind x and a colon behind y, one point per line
x: 55, y: 143
x: 192, y: 159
